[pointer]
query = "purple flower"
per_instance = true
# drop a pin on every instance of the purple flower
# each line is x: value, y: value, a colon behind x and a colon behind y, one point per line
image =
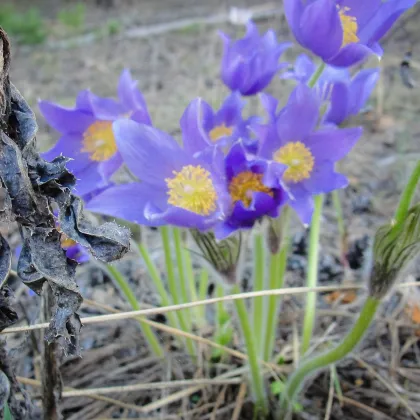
x: 346, y: 96
x: 176, y: 187
x: 308, y: 154
x: 75, y: 251
x: 249, y: 64
x: 86, y: 132
x: 343, y: 32
x: 251, y: 198
x: 304, y: 68
x: 349, y: 98
x: 211, y: 128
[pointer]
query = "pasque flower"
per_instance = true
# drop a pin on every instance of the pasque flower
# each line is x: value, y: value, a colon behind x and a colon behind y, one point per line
x: 346, y: 95
x: 86, y: 132
x: 343, y: 32
x: 75, y: 251
x: 251, y: 198
x: 309, y: 154
x: 176, y: 187
x: 249, y: 64
x: 210, y: 128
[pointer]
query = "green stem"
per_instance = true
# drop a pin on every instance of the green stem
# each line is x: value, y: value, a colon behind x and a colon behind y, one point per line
x: 341, y: 225
x: 339, y: 214
x: 219, y: 308
x: 220, y: 322
x: 308, y: 322
x: 157, y: 281
x: 181, y: 272
x: 337, y: 385
x: 297, y: 379
x: 173, y: 286
x: 407, y: 195
x: 257, y: 383
x: 312, y: 274
x: 202, y: 290
x: 125, y: 288
x: 170, y: 269
x: 316, y: 75
x: 278, y: 265
x: 258, y: 303
x: 160, y: 287
x: 192, y: 286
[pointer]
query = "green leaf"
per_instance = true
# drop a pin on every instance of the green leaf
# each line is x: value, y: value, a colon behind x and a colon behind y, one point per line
x: 277, y: 387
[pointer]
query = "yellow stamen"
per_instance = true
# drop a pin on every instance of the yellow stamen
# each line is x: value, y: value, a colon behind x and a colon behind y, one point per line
x: 67, y: 242
x: 192, y: 189
x: 244, y: 184
x: 350, y: 27
x: 99, y: 141
x: 219, y: 132
x: 299, y: 160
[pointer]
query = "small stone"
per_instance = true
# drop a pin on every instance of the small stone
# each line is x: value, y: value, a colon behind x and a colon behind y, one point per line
x: 329, y: 268
x: 300, y: 243
x: 356, y: 253
x: 362, y: 204
x: 297, y: 263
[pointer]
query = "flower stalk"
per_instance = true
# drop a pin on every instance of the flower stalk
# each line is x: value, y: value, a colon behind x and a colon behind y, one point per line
x: 180, y: 261
x: 199, y: 320
x: 257, y: 383
x: 278, y: 265
x: 128, y: 293
x: 202, y: 291
x: 164, y: 297
x: 309, y: 366
x: 342, y: 233
x: 312, y: 275
x: 407, y: 195
x: 174, y: 288
x: 258, y: 309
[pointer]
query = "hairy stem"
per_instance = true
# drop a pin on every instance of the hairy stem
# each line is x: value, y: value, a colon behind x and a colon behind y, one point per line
x: 257, y: 383
x: 278, y: 265
x: 126, y: 290
x: 174, y: 287
x: 258, y: 309
x: 315, y: 77
x: 165, y: 299
x: 192, y: 287
x: 181, y: 272
x: 407, y: 195
x: 309, y: 366
x: 340, y: 223
x: 312, y: 274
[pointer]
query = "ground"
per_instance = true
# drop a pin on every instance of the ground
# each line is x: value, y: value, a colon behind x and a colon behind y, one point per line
x: 381, y: 379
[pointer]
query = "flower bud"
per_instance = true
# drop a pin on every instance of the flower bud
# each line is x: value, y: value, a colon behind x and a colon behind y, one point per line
x: 394, y: 247
x: 222, y: 255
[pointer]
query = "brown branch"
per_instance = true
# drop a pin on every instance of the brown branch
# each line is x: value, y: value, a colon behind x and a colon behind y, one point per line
x: 51, y: 378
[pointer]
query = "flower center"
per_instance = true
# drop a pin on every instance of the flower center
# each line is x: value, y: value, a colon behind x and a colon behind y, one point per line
x: 244, y: 184
x: 219, y: 132
x: 350, y: 27
x: 99, y: 141
x: 299, y: 160
x: 192, y: 189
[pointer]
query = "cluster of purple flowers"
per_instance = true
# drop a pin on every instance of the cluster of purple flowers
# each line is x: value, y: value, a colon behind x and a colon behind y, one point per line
x: 231, y: 171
